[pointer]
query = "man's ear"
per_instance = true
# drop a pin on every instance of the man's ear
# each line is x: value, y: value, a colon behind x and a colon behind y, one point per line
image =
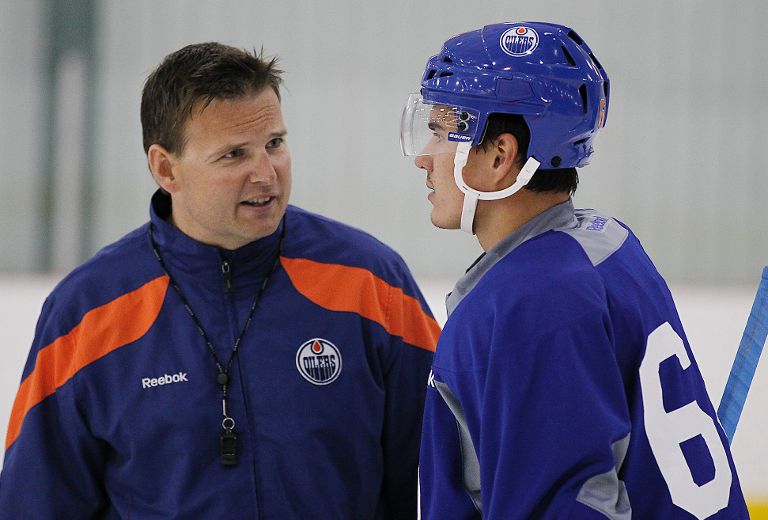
x: 503, y: 157
x: 161, y: 164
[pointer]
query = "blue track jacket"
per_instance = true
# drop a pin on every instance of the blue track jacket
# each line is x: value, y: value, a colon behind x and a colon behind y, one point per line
x: 118, y: 414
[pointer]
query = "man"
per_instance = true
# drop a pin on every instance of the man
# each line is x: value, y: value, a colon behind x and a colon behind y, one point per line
x: 235, y: 357
x: 563, y: 385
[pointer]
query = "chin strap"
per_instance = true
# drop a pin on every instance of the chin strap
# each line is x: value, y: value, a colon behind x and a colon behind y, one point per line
x: 471, y: 195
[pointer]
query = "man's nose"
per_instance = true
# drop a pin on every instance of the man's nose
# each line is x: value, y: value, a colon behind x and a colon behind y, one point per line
x: 262, y: 169
x: 424, y: 162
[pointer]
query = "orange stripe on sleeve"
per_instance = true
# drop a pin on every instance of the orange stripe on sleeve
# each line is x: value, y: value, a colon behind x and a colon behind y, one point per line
x: 102, y: 330
x: 354, y: 289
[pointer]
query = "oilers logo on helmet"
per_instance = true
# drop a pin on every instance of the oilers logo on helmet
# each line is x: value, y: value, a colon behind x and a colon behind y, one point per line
x: 319, y: 361
x: 519, y: 41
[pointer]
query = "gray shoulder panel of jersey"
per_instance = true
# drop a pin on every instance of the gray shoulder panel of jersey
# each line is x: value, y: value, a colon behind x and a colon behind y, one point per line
x: 469, y: 461
x: 605, y: 492
x: 558, y: 217
x: 598, y: 235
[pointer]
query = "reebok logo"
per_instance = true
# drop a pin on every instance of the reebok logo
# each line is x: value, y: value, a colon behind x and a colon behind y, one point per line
x: 167, y: 379
x: 431, y: 379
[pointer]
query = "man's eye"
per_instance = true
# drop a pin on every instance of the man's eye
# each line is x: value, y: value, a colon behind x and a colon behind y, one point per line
x: 234, y: 154
x: 274, y: 143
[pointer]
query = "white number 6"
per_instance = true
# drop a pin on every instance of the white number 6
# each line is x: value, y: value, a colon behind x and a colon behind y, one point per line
x: 666, y: 431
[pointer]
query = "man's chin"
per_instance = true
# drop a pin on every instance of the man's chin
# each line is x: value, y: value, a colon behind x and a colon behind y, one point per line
x: 266, y: 225
x: 265, y: 231
x: 445, y: 223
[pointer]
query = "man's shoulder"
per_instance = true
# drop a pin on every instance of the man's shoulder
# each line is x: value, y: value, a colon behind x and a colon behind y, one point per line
x: 543, y: 284
x: 116, y: 270
x: 550, y: 262
x: 123, y: 257
x: 598, y: 235
x: 328, y: 240
x: 570, y: 258
x: 118, y: 293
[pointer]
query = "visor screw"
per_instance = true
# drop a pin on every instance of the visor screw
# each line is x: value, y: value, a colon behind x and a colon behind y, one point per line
x: 556, y: 160
x: 462, y: 126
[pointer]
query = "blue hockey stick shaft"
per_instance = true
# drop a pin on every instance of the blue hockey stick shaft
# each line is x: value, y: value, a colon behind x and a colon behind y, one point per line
x: 745, y: 364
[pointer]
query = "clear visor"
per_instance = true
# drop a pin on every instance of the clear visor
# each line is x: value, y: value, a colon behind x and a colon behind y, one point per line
x: 428, y: 129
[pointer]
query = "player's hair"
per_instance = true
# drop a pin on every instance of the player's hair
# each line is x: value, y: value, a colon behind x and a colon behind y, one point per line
x: 191, y: 78
x: 555, y: 180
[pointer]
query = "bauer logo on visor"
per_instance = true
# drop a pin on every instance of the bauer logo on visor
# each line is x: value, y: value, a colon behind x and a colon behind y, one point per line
x: 519, y: 41
x: 432, y: 128
x: 452, y: 136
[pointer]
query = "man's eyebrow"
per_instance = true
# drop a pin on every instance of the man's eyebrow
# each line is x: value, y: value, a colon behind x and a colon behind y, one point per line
x: 434, y: 125
x: 224, y: 148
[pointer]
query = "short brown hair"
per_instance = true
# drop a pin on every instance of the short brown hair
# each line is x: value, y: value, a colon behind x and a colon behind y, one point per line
x: 199, y: 73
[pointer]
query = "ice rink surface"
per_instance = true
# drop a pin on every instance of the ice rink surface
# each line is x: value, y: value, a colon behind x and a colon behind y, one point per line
x: 714, y: 319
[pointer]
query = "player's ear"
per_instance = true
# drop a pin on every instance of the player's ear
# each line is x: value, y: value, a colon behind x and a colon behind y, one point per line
x: 503, y: 160
x: 162, y: 165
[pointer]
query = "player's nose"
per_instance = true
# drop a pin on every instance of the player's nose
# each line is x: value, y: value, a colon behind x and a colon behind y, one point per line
x: 423, y: 162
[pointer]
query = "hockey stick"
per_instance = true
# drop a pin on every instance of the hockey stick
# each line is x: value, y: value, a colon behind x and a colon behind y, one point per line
x: 745, y: 363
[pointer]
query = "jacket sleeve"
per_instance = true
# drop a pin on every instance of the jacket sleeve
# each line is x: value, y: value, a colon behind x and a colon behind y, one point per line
x: 52, y: 466
x: 406, y: 369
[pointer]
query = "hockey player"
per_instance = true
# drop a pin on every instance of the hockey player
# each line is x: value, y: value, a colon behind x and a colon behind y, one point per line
x: 563, y: 385
x: 235, y: 357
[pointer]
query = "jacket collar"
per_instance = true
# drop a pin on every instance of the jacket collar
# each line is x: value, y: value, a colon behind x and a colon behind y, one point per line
x: 185, y: 255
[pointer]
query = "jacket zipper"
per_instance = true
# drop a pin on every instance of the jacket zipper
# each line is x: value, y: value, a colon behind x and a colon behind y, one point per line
x: 227, y: 274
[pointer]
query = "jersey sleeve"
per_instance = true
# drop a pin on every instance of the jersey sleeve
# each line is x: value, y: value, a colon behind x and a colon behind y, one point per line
x: 52, y: 466
x: 537, y: 389
x: 562, y: 423
x: 409, y: 356
x: 449, y: 476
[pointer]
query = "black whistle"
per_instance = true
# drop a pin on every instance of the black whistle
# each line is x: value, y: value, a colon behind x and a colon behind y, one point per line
x: 228, y: 448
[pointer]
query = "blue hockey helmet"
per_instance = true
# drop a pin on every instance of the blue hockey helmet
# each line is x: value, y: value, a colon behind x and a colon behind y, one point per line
x: 543, y: 72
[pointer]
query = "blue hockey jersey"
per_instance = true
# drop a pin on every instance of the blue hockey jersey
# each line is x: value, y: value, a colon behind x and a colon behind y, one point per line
x: 563, y: 387
x: 119, y: 412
